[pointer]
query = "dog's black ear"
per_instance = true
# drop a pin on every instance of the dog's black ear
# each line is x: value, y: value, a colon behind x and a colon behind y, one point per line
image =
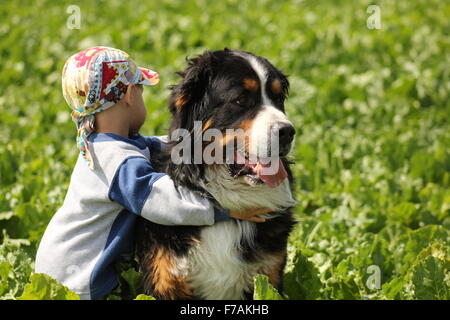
x: 192, y: 88
x: 188, y: 103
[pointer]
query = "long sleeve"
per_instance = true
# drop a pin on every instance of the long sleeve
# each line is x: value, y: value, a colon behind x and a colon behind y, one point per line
x: 152, y: 195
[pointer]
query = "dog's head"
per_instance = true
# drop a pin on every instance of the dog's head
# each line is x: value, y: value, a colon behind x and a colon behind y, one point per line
x: 230, y: 89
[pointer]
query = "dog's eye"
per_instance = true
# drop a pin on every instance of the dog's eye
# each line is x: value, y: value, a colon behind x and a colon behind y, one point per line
x: 241, y: 101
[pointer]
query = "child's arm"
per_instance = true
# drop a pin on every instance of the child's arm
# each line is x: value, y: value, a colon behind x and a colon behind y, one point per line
x: 152, y: 195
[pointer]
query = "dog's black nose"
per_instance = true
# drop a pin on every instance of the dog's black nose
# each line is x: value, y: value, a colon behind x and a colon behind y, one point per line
x: 286, y: 133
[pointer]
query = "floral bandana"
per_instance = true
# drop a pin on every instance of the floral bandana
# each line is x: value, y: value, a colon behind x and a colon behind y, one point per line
x: 94, y: 80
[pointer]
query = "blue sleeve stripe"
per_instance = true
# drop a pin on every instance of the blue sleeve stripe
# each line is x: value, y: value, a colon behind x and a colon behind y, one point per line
x: 119, y: 244
x: 133, y: 183
x: 221, y: 214
x: 154, y: 144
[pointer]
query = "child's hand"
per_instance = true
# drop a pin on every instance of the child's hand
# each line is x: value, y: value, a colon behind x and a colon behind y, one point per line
x: 250, y: 214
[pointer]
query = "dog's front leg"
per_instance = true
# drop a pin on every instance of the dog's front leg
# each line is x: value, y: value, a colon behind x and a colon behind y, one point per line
x: 163, y: 277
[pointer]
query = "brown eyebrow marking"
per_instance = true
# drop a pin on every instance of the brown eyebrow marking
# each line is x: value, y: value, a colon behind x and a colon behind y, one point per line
x: 276, y: 86
x: 251, y: 84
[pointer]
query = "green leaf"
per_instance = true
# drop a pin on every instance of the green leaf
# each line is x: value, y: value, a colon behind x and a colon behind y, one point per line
x: 6, y: 215
x: 5, y: 270
x: 393, y: 289
x: 43, y: 287
x: 301, y: 280
x: 131, y: 283
x: 16, y: 266
x: 421, y: 239
x: 404, y: 212
x: 144, y: 297
x: 429, y: 280
x: 264, y: 290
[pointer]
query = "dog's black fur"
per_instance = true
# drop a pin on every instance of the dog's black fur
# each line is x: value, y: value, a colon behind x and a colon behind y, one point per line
x: 208, y: 92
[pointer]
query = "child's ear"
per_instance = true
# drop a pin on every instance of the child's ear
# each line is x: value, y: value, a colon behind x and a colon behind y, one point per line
x: 128, y: 99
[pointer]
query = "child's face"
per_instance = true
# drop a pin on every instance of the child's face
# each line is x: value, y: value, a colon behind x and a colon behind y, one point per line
x: 138, y: 109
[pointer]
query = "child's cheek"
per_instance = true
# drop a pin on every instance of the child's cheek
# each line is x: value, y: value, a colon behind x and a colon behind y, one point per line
x: 143, y: 114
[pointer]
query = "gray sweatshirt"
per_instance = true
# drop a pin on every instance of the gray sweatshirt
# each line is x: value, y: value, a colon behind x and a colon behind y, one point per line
x: 94, y: 228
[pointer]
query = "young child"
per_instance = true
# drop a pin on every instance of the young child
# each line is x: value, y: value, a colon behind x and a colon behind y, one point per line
x: 113, y: 180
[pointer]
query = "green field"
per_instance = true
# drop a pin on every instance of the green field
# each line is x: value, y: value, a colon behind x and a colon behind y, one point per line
x: 371, y: 108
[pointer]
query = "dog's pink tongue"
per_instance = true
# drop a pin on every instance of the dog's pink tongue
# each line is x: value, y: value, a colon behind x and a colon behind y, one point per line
x: 271, y: 174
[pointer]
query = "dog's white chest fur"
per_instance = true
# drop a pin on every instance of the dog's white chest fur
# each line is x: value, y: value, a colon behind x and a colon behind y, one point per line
x: 216, y: 270
x: 214, y: 266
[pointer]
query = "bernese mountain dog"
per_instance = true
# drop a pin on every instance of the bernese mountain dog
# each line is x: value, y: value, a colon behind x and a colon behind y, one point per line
x: 225, y: 89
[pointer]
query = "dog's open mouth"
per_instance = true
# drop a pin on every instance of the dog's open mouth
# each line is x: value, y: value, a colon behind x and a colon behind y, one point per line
x: 257, y: 171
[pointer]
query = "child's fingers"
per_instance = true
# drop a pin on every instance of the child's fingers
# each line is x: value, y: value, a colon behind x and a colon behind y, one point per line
x: 256, y: 219
x: 255, y: 211
x: 261, y: 211
x: 249, y: 214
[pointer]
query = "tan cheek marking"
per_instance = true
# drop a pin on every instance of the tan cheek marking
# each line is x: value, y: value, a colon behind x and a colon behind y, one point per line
x: 245, y: 126
x: 207, y: 125
x: 180, y: 101
x: 226, y: 138
x: 251, y: 84
x: 276, y: 86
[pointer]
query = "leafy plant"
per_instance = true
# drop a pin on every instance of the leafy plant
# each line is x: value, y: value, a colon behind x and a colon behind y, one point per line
x: 264, y: 290
x: 371, y: 108
x: 43, y: 287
